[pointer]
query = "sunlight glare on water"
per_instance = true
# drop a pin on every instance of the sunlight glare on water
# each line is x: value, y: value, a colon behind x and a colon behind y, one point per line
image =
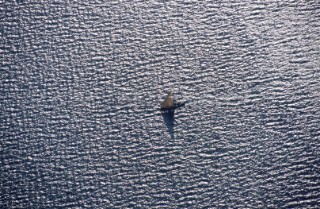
x: 81, y: 86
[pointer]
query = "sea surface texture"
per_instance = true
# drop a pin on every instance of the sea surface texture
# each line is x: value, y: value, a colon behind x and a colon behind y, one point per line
x: 81, y: 84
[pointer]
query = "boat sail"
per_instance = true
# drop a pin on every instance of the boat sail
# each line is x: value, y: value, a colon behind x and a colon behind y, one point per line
x: 168, y: 103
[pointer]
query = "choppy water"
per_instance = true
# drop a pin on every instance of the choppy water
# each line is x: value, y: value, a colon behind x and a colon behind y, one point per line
x: 81, y: 83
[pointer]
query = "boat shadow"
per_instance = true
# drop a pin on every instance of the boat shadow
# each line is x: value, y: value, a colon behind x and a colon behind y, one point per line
x: 168, y: 118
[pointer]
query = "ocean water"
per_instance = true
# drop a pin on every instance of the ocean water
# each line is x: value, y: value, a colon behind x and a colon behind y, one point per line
x: 80, y: 89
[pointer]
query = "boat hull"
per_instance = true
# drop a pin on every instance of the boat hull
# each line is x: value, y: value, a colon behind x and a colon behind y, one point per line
x: 175, y: 106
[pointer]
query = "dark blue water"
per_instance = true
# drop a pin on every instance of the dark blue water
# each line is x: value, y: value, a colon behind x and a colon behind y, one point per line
x: 80, y: 88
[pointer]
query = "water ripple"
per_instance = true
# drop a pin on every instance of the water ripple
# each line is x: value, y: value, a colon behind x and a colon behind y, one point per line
x: 81, y: 85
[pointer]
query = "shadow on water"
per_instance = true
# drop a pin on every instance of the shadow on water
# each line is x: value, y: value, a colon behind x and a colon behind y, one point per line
x: 168, y: 117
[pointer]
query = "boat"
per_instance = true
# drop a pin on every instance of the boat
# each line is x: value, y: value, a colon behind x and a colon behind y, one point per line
x: 169, y: 103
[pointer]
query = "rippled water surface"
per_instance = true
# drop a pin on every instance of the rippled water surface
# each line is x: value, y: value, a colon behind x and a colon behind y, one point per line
x: 81, y: 83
